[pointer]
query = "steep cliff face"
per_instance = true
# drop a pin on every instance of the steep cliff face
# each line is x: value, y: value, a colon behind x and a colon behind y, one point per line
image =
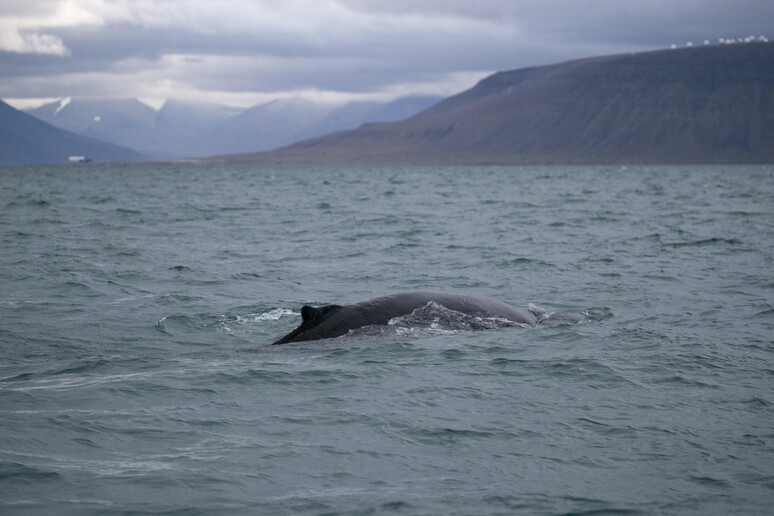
x: 694, y: 105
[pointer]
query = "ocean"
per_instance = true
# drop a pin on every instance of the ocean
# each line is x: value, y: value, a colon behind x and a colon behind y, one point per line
x: 139, y: 303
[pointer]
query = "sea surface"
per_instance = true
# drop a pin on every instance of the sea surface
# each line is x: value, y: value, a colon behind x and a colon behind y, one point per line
x: 138, y: 304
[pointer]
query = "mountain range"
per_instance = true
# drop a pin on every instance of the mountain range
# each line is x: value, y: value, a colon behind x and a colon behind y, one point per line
x: 710, y: 104
x: 184, y: 129
x: 25, y: 140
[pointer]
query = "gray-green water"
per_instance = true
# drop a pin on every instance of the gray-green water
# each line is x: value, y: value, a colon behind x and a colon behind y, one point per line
x: 138, y: 303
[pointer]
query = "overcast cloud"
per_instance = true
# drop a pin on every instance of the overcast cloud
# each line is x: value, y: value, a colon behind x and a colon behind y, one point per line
x: 243, y: 52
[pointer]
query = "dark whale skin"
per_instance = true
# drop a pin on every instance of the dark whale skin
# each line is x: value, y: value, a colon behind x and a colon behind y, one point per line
x: 335, y: 320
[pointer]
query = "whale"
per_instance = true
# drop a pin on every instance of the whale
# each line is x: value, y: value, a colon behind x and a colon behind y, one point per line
x: 329, y: 321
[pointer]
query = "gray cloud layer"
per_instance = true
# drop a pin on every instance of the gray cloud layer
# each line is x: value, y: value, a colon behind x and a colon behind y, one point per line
x: 244, y: 51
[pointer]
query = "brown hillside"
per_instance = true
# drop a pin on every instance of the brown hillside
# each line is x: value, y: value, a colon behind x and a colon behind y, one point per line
x: 694, y: 105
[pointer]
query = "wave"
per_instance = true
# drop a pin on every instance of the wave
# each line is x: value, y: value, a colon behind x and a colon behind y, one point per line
x: 704, y: 242
x: 435, y: 319
x: 23, y: 474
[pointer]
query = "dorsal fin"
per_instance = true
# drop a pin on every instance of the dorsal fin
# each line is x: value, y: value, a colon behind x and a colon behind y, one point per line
x: 311, y: 316
x: 310, y: 313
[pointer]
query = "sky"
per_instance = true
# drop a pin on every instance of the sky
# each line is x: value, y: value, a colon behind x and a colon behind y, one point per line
x: 247, y: 52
